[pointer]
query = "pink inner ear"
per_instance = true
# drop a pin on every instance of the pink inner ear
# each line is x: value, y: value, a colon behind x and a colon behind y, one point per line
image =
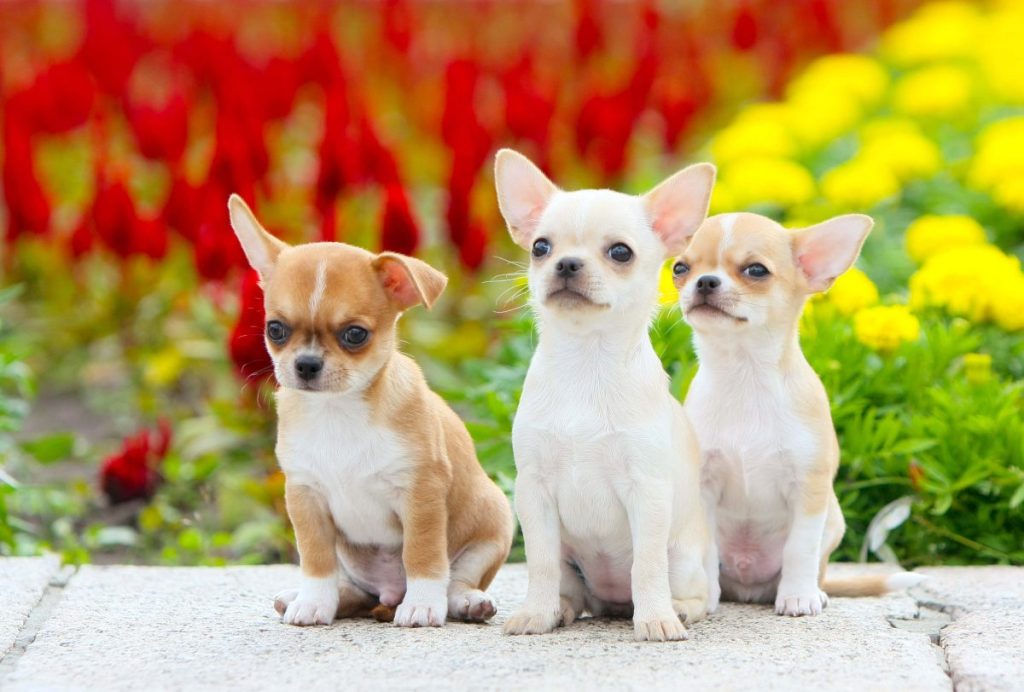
x: 396, y: 281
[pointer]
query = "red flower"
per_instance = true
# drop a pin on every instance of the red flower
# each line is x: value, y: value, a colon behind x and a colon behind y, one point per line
x: 246, y: 345
x: 114, y: 217
x: 81, y: 240
x: 399, y: 231
x: 215, y: 250
x: 133, y: 472
x: 588, y: 29
x: 473, y: 248
x: 111, y: 46
x: 28, y: 209
x: 182, y: 208
x: 397, y: 24
x: 161, y: 130
x: 745, y: 27
x: 528, y: 108
x: 62, y: 96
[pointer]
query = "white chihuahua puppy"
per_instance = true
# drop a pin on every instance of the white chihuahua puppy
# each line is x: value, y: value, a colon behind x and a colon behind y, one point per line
x: 769, y: 448
x: 608, y: 487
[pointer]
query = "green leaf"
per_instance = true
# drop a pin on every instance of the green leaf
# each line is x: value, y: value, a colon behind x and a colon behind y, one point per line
x: 1017, y: 498
x: 51, y: 448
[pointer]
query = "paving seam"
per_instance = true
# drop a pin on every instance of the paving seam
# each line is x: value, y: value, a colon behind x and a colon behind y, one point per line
x: 36, y: 620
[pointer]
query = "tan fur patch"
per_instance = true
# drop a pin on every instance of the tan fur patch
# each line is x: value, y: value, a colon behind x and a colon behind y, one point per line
x: 314, y: 530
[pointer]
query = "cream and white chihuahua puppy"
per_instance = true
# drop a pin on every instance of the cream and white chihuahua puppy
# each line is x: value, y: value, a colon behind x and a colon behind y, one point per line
x: 761, y: 414
x: 608, y: 487
x: 389, y: 504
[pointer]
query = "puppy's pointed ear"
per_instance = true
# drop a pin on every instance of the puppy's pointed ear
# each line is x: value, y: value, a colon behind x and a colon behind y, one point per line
x: 409, y: 281
x: 826, y: 250
x: 523, y: 194
x: 261, y: 248
x: 679, y: 204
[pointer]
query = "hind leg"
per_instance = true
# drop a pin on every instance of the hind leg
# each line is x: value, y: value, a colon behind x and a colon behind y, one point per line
x: 688, y: 581
x: 471, y: 573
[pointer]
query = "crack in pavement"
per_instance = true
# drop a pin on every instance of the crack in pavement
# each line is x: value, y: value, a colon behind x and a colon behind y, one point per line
x: 36, y: 619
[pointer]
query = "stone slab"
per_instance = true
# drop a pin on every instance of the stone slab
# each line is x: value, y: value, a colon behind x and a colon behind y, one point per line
x: 22, y: 583
x: 159, y: 628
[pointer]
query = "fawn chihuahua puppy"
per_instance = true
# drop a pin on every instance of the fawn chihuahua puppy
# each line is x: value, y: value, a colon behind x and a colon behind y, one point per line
x: 389, y: 504
x: 608, y: 483
x: 761, y: 414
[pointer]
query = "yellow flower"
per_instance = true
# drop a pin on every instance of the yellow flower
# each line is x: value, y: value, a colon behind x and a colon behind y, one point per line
x: 1001, y: 54
x: 932, y: 234
x: 978, y: 367
x: 999, y: 154
x: 668, y: 294
x: 749, y: 137
x: 901, y: 147
x: 768, y: 181
x: 1008, y: 305
x: 979, y: 282
x: 942, y: 91
x: 844, y: 75
x: 819, y: 117
x: 722, y: 199
x: 859, y: 184
x: 853, y: 291
x: 938, y: 31
x: 1009, y: 194
x: 885, y: 327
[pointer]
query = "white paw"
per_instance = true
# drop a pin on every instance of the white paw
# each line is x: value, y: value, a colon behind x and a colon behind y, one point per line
x: 569, y: 612
x: 283, y: 599
x: 796, y: 605
x: 425, y: 604
x: 472, y: 606
x: 690, y: 610
x: 315, y: 603
x: 530, y: 621
x: 659, y: 629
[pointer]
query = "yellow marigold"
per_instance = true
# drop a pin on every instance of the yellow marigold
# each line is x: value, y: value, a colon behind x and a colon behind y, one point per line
x: 978, y: 367
x: 978, y: 282
x: 768, y: 181
x: 999, y: 154
x: 902, y: 148
x: 1008, y: 305
x: 938, y: 31
x: 859, y: 184
x: 931, y: 234
x: 820, y: 116
x: 722, y: 199
x: 885, y: 327
x: 1001, y: 54
x: 748, y: 137
x: 1009, y: 194
x: 668, y: 294
x: 849, y: 75
x: 853, y: 291
x: 942, y: 91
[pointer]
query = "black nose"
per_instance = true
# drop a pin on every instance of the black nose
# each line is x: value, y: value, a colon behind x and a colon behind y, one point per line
x: 708, y: 283
x: 568, y: 266
x: 308, y: 367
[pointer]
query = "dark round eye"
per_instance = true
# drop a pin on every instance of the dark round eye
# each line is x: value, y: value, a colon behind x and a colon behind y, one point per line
x: 541, y: 247
x: 620, y: 252
x: 354, y: 337
x: 680, y: 268
x: 277, y: 332
x: 756, y: 270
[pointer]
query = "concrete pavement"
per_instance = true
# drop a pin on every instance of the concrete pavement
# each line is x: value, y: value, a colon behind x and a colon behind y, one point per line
x: 152, y: 628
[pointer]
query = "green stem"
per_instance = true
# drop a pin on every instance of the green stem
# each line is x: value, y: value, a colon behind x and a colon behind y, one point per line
x: 962, y: 540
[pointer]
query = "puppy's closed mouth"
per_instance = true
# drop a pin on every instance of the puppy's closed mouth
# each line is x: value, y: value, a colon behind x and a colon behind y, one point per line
x: 712, y: 310
x: 569, y: 298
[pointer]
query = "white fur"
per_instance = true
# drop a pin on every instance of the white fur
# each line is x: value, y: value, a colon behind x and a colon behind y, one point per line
x: 425, y: 604
x: 360, y: 469
x: 315, y: 604
x: 317, y: 296
x: 607, y: 474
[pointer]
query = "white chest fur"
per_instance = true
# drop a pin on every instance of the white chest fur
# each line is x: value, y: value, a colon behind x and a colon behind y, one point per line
x: 330, y: 442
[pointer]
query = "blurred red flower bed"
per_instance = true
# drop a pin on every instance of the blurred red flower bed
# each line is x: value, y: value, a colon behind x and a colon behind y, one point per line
x: 399, y: 96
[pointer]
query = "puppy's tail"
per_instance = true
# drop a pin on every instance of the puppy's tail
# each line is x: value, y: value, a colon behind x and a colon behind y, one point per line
x: 871, y: 584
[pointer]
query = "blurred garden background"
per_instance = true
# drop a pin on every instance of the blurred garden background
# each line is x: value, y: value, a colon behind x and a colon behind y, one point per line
x: 136, y: 410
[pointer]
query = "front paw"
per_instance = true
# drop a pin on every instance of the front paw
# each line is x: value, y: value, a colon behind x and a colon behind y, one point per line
x: 690, y: 610
x: 472, y: 606
x: 811, y: 602
x: 667, y: 628
x: 425, y: 604
x: 532, y: 621
x: 307, y: 610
